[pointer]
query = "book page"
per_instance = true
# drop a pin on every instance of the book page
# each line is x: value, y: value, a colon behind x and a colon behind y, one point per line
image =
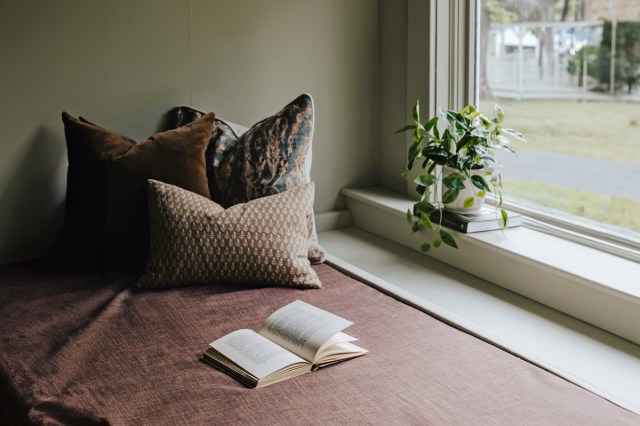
x: 338, y: 352
x: 254, y: 353
x: 302, y: 328
x: 334, y: 340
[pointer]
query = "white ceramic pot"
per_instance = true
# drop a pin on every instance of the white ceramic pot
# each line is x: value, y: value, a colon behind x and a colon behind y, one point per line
x: 469, y: 190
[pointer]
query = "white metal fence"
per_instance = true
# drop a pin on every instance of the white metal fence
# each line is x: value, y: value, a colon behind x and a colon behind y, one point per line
x: 525, y: 75
x: 517, y: 63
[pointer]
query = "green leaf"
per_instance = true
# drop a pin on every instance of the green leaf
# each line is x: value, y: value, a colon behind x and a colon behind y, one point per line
x: 479, y: 182
x: 414, y: 154
x: 425, y: 248
x: 498, y: 112
x: 448, y: 239
x: 416, y: 112
x: 482, y: 193
x: 417, y: 226
x: 425, y: 180
x: 436, y: 154
x: 409, y: 215
x: 450, y: 196
x: 454, y: 180
x: 446, y: 144
x: 506, y: 148
x: 426, y: 221
x: 405, y: 128
x: 502, y: 142
x: 424, y: 207
x: 444, y: 115
x: 437, y: 243
x: 505, y: 218
x: 417, y: 135
x: 405, y: 173
x: 515, y: 134
x: 429, y: 124
x: 464, y: 163
x: 468, y: 203
x: 463, y: 142
x: 446, y: 135
x: 469, y: 109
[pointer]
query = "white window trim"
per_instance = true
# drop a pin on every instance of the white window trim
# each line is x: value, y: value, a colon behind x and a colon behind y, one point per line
x: 441, y: 71
x: 578, y: 230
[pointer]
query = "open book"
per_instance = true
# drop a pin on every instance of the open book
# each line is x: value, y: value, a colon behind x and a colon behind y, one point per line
x: 294, y: 340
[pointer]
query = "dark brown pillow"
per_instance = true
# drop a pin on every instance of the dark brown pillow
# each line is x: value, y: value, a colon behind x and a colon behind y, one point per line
x: 106, y: 225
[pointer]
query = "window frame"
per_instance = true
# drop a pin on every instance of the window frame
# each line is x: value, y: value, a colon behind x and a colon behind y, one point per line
x: 453, y: 46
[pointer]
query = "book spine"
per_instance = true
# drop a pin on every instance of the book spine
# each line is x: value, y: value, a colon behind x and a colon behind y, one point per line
x: 450, y: 223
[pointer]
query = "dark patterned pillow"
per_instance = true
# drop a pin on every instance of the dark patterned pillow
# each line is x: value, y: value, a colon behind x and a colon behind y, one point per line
x: 220, y: 146
x: 274, y: 155
x: 196, y: 241
x: 269, y: 158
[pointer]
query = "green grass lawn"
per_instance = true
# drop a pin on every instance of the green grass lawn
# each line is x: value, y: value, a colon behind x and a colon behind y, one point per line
x: 602, y: 208
x: 604, y: 130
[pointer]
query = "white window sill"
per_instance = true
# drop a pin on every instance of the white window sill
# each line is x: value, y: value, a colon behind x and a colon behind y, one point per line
x: 596, y: 287
x: 586, y: 355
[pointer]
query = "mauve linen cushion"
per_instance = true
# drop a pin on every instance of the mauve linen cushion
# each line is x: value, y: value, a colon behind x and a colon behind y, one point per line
x: 196, y: 241
x: 105, y: 224
x: 274, y: 155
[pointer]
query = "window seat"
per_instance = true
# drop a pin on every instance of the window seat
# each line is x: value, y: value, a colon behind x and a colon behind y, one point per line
x: 599, y: 288
x: 580, y: 352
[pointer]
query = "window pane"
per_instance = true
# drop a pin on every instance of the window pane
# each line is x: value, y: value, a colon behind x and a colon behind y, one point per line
x: 549, y: 64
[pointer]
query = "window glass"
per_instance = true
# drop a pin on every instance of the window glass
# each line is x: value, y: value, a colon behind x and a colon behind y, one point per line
x: 567, y: 74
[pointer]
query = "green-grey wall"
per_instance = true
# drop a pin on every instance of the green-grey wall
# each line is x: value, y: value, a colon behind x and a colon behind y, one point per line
x: 391, y: 86
x: 124, y: 63
x: 403, y: 75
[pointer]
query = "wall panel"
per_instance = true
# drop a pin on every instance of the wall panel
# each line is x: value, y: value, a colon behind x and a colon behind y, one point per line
x: 123, y: 64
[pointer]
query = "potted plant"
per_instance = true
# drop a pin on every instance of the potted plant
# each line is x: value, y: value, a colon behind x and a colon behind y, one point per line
x: 463, y: 143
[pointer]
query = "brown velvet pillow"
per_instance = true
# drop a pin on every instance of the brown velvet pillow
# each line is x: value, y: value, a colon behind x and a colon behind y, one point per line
x: 106, y: 225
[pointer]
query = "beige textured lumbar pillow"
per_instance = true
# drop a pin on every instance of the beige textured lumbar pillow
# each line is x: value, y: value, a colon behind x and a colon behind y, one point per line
x: 196, y: 241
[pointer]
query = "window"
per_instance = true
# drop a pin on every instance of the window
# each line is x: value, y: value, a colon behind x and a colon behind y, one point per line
x: 567, y: 73
x: 441, y: 51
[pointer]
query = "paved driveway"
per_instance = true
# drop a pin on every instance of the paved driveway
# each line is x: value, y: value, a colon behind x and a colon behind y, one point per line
x: 588, y: 174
